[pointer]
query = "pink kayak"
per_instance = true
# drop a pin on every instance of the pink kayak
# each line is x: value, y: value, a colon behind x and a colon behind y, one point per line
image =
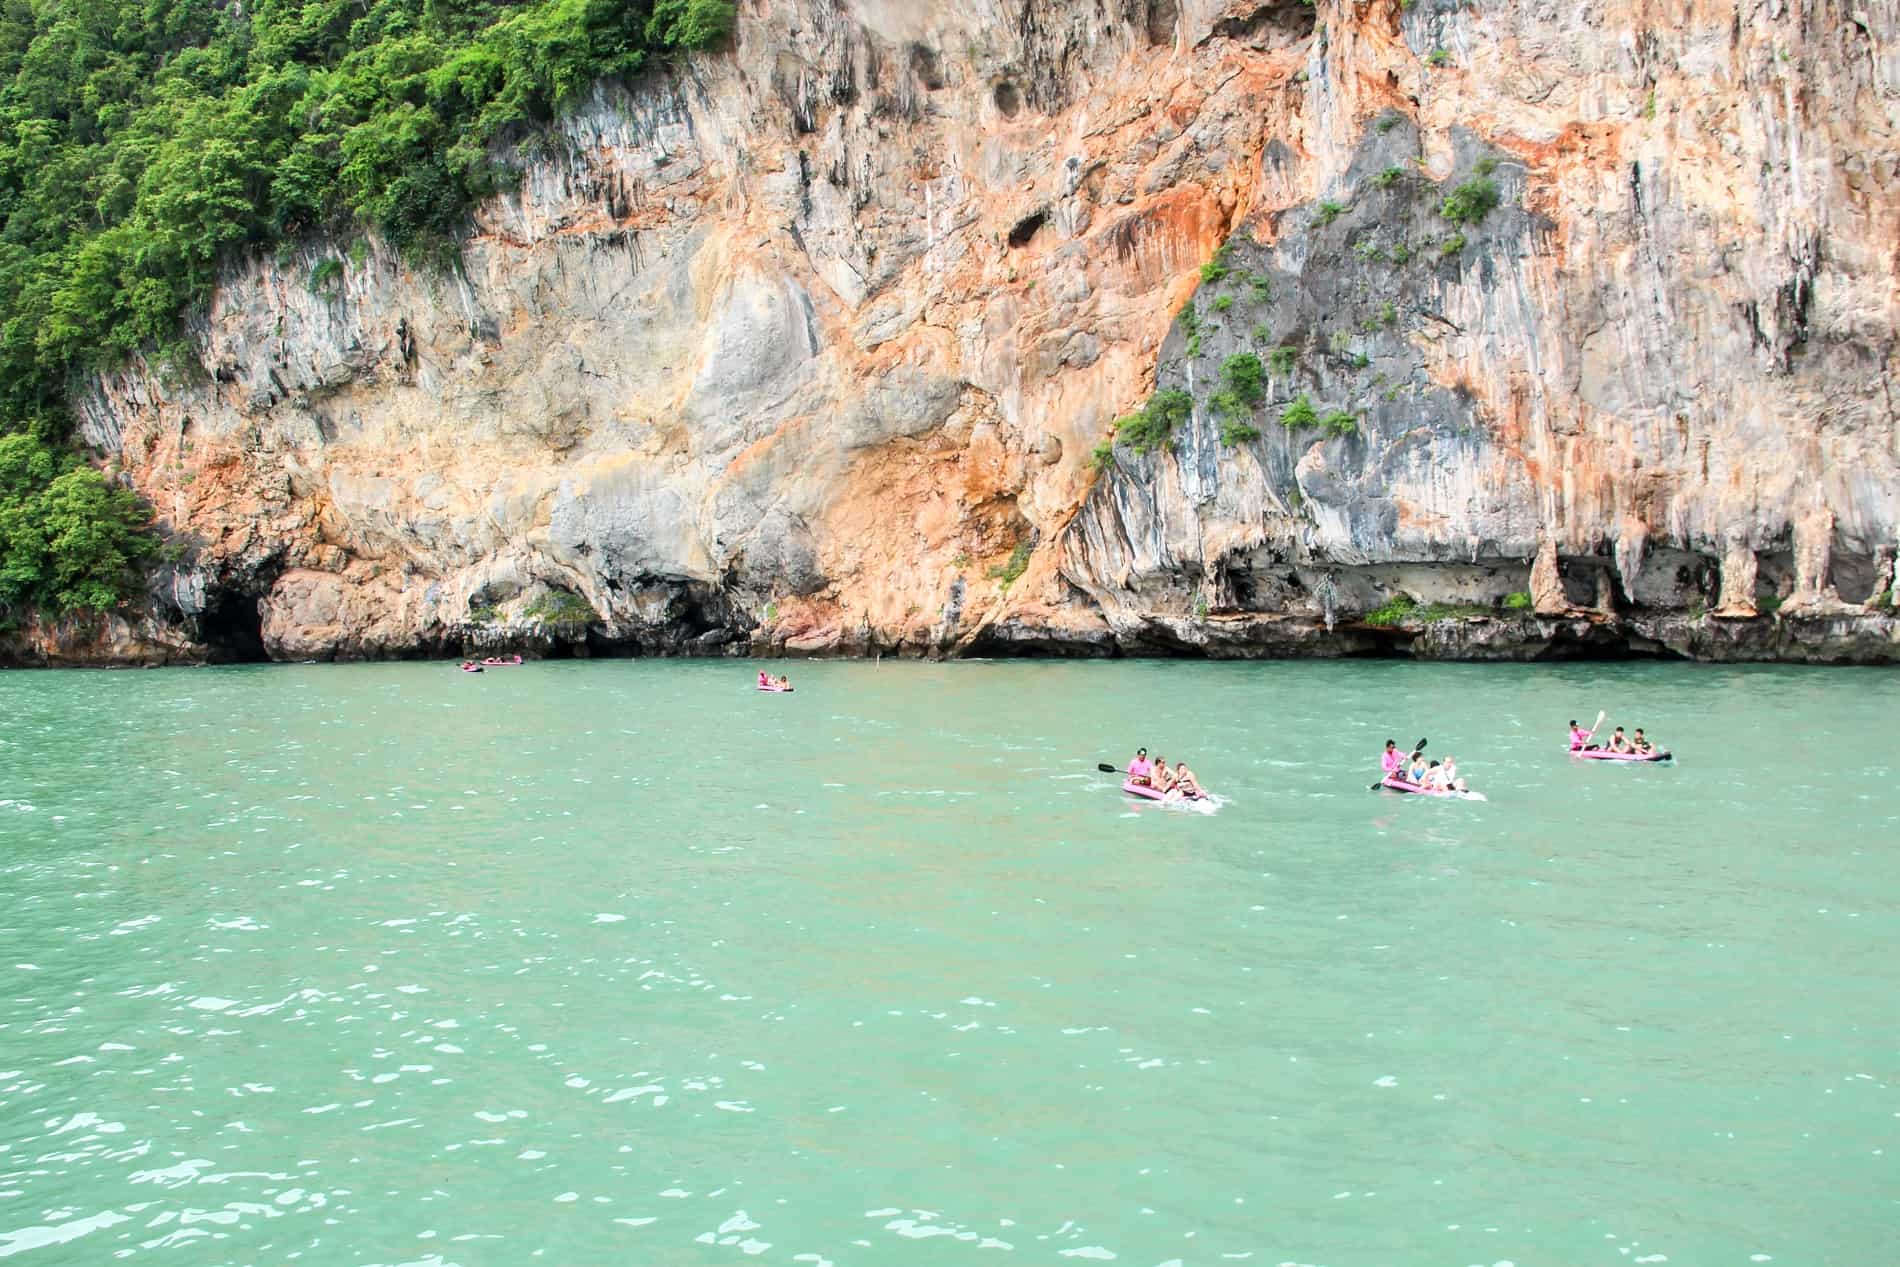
x: 1396, y: 784
x: 776, y: 690
x: 1153, y: 794
x: 1603, y: 754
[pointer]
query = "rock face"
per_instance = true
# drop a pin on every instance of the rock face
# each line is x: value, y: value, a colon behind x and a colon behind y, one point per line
x: 813, y: 345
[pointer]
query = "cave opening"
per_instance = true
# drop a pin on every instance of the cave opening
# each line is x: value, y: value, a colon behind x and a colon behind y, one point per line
x: 1027, y: 228
x: 232, y: 629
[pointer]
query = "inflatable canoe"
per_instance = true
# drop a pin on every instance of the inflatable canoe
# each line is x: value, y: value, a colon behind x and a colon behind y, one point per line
x: 1147, y: 793
x: 1419, y: 789
x: 1603, y: 754
x: 776, y: 690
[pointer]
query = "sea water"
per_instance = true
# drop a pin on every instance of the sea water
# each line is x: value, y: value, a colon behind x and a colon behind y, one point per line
x: 629, y: 963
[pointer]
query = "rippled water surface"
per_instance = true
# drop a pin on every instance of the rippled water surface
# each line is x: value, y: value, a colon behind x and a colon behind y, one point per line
x: 627, y: 963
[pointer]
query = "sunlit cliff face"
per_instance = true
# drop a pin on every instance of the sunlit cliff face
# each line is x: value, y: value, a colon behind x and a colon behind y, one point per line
x: 811, y: 345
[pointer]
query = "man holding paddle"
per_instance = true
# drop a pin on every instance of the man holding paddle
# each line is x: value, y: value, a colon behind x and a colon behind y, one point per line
x: 1579, y: 737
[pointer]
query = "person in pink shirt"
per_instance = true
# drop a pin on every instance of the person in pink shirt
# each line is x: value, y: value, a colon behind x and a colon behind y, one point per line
x: 1141, y: 770
x: 1393, y: 761
x: 1579, y: 737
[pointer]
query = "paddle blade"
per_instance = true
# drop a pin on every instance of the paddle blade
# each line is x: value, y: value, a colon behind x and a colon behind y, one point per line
x: 1419, y: 746
x: 1598, y: 723
x: 1106, y: 768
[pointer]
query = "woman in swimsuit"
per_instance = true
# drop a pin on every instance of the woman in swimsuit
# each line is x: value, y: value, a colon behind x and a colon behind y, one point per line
x: 1184, y: 781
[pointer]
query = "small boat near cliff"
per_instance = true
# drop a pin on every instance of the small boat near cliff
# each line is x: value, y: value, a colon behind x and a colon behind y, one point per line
x: 1419, y: 789
x: 1603, y: 754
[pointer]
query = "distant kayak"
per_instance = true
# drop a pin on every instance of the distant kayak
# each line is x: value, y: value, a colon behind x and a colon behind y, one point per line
x: 1201, y: 803
x: 1419, y: 789
x: 1602, y: 754
x: 776, y: 690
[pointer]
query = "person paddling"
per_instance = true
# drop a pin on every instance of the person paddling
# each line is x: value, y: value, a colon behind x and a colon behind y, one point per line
x: 1392, y: 761
x: 1579, y: 737
x: 1140, y: 770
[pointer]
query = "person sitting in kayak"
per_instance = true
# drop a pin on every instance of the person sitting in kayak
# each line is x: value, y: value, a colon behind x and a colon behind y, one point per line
x: 1619, y: 742
x: 1184, y: 782
x: 1449, y: 772
x: 1415, y: 772
x: 1161, y: 779
x: 765, y: 682
x: 1140, y: 770
x: 1640, y: 744
x: 1579, y: 737
x: 1392, y: 761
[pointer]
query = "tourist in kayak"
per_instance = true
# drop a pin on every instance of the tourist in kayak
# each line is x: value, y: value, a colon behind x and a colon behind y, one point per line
x: 1619, y: 742
x: 1579, y: 737
x: 1450, y: 774
x: 1184, y: 782
x: 765, y: 683
x: 1161, y: 779
x: 1392, y: 761
x: 1140, y: 770
x: 1640, y: 744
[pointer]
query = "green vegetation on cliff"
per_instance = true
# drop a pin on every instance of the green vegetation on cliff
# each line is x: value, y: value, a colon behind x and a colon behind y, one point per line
x: 146, y: 143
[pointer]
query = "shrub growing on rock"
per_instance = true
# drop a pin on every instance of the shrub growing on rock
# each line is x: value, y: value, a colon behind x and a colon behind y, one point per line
x: 1470, y: 202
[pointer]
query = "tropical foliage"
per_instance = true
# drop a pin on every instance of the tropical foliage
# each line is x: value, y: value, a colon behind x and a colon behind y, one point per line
x: 145, y: 143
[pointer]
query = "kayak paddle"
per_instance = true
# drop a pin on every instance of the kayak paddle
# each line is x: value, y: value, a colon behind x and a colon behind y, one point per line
x: 1106, y: 768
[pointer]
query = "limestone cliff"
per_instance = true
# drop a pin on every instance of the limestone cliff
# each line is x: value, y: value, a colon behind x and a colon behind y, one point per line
x: 813, y: 345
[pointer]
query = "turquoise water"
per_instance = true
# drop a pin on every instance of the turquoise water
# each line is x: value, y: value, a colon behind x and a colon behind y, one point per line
x: 627, y: 963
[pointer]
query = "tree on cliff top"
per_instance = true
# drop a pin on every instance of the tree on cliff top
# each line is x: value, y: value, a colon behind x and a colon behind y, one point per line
x: 144, y: 144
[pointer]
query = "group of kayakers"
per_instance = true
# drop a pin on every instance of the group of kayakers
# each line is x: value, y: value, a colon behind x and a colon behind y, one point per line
x: 769, y: 683
x: 1155, y: 774
x: 1618, y: 742
x: 1413, y: 768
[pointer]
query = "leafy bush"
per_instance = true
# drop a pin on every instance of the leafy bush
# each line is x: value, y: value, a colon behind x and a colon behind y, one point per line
x: 1401, y: 253
x: 1283, y: 359
x: 1261, y: 335
x: 1262, y: 289
x: 558, y: 607
x: 1245, y: 377
x: 1339, y: 423
x: 325, y: 276
x: 1471, y: 202
x: 1218, y: 267
x: 1328, y: 212
x: 1006, y: 574
x: 1393, y: 611
x: 1389, y: 314
x: 1367, y: 249
x: 1190, y: 319
x: 1518, y: 602
x: 68, y: 539
x: 1768, y: 604
x: 1299, y: 413
x: 1389, y: 177
x: 1235, y: 432
x: 1224, y: 304
x: 484, y: 614
x: 1101, y: 457
x: 1451, y: 246
x: 1153, y: 425
x: 1386, y: 123
x: 1438, y: 57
